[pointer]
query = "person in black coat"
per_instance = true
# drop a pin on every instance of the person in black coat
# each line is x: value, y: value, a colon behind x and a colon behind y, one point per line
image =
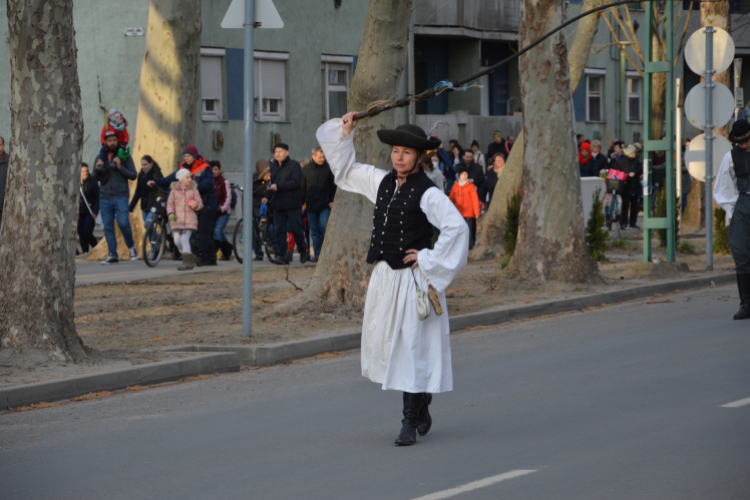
x: 150, y: 171
x: 600, y: 159
x: 628, y: 164
x: 285, y: 198
x: 318, y: 192
x: 493, y: 173
x: 496, y: 146
x: 88, y: 209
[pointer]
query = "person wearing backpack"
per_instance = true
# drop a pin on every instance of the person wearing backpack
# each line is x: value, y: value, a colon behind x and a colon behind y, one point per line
x: 224, y: 197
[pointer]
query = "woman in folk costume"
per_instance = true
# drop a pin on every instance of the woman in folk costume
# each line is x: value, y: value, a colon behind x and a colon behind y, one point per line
x: 405, y: 340
x: 732, y: 193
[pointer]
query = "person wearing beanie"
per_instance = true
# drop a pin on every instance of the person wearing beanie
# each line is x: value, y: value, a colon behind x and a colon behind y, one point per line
x: 116, y: 123
x: 405, y: 336
x: 633, y: 169
x: 478, y: 156
x: 203, y: 176
x: 183, y: 203
x: 732, y: 193
x: 497, y: 145
x: 585, y: 163
x: 285, y: 197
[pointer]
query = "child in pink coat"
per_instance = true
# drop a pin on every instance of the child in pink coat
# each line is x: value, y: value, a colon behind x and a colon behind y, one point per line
x: 183, y: 202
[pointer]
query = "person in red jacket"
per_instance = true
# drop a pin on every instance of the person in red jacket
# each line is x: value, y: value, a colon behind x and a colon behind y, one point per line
x: 118, y: 124
x: 464, y: 197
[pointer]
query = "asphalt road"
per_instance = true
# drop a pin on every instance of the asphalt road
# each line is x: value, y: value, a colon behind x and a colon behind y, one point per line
x: 617, y: 403
x: 94, y: 273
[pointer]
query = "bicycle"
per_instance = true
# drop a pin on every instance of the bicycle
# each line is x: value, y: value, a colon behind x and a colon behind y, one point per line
x: 267, y: 239
x: 614, y: 207
x: 158, y: 236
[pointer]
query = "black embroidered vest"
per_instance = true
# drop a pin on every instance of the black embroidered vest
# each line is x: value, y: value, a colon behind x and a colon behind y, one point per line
x: 399, y: 223
x: 740, y: 160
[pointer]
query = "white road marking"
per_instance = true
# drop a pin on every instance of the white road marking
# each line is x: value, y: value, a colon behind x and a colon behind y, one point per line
x: 475, y: 485
x: 737, y: 404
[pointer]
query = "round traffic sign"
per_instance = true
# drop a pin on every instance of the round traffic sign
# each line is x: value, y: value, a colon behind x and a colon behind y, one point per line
x: 723, y: 53
x: 695, y: 156
x: 695, y: 105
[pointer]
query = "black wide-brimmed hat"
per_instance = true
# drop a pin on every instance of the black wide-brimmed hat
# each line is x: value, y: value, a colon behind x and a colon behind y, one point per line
x: 408, y: 136
x: 740, y: 131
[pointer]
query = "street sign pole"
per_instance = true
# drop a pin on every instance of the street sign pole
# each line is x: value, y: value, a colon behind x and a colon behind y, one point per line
x: 248, y: 15
x: 247, y: 215
x: 709, y: 145
x: 680, y: 95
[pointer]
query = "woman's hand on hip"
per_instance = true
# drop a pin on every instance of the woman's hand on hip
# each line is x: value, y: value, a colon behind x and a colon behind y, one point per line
x: 412, y: 256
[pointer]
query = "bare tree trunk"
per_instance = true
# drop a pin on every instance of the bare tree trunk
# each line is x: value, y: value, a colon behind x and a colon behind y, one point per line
x: 341, y: 275
x: 714, y: 14
x: 37, y: 239
x: 170, y: 87
x: 551, y: 243
x: 490, y: 244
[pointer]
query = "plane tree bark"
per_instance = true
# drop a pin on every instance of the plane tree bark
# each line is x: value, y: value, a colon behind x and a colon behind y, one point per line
x: 169, y: 92
x: 490, y: 244
x: 551, y: 240
x: 341, y: 275
x: 37, y: 238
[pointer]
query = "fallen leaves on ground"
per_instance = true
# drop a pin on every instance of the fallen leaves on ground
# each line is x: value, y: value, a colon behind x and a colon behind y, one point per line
x: 92, y: 395
x: 135, y: 388
x: 328, y: 355
x: 36, y: 406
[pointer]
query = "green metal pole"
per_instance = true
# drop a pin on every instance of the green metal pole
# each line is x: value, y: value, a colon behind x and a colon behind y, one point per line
x: 647, y: 85
x: 669, y: 111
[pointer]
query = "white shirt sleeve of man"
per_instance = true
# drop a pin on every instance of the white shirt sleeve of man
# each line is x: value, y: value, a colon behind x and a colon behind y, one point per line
x: 443, y: 263
x: 725, y: 187
x: 348, y: 174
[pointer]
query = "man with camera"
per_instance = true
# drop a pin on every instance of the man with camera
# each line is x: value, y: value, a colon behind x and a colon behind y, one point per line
x: 113, y: 169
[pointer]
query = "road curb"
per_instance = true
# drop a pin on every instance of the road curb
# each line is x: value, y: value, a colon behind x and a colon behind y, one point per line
x: 273, y: 354
x: 150, y: 373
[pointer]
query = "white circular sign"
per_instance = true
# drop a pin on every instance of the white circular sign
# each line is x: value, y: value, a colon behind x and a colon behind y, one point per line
x: 723, y: 53
x: 695, y: 106
x: 695, y: 156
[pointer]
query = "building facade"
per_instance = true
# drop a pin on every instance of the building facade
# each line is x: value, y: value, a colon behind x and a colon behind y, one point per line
x: 302, y: 73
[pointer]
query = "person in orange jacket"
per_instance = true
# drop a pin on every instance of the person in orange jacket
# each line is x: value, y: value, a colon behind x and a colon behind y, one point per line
x: 464, y: 197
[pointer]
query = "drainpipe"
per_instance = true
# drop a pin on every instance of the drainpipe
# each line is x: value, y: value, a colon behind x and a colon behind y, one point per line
x: 410, y: 70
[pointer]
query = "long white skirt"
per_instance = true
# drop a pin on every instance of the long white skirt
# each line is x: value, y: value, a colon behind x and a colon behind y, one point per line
x: 399, y: 350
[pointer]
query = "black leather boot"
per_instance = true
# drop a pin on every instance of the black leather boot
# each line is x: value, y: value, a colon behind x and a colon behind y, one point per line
x: 743, y: 284
x: 226, y: 250
x: 412, y: 404
x: 424, y: 420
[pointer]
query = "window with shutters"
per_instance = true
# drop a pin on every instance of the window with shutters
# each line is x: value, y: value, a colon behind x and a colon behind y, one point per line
x: 335, y: 86
x: 211, y: 83
x: 270, y: 88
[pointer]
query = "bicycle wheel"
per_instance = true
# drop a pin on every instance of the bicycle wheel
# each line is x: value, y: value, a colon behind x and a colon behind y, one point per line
x: 154, y: 242
x: 237, y: 241
x: 612, y: 213
x: 269, y: 242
